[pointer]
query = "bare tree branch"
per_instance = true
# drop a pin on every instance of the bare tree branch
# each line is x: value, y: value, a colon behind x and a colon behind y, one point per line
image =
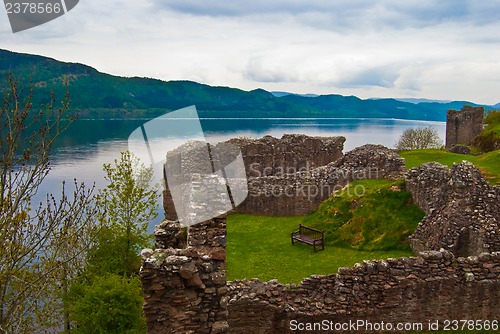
x: 43, y: 247
x: 419, y: 138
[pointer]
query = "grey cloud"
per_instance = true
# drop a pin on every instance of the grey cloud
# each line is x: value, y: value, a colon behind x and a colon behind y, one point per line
x: 257, y: 70
x: 410, y: 83
x: 383, y: 76
x: 244, y: 8
x: 261, y: 69
x: 347, y: 13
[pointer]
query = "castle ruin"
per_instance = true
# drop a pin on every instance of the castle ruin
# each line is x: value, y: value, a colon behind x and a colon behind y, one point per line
x: 291, y: 176
x: 456, y: 274
x: 464, y: 125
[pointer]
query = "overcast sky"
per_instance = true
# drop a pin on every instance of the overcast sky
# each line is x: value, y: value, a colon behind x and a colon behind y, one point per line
x: 443, y: 49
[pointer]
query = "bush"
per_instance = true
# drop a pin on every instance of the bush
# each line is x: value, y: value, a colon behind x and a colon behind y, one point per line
x: 108, y: 304
x: 419, y: 138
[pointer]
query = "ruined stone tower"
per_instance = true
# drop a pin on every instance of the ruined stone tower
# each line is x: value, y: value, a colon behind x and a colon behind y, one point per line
x: 464, y: 125
x: 185, y: 287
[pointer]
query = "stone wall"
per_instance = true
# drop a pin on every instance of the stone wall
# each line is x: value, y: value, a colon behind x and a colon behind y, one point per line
x: 186, y: 291
x: 267, y: 156
x: 464, y: 125
x: 190, y: 172
x: 290, y: 176
x: 457, y: 276
x: 462, y: 209
x: 185, y: 288
x: 433, y: 286
x: 300, y: 193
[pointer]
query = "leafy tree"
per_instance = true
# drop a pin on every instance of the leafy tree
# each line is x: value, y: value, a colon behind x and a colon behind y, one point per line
x: 419, y: 138
x: 109, y: 304
x: 108, y: 297
x: 41, y: 245
x: 129, y: 203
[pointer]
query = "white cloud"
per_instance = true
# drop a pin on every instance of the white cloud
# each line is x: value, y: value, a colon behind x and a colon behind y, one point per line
x: 345, y: 13
x: 437, y: 49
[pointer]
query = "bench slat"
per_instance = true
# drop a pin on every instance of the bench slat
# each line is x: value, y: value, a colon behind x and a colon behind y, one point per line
x: 309, y: 236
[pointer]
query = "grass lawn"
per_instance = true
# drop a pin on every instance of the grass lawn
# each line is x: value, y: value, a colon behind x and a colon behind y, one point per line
x: 260, y: 247
x: 489, y: 163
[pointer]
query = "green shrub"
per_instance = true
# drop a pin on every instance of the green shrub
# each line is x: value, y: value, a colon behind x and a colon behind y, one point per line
x: 419, y: 138
x: 107, y: 304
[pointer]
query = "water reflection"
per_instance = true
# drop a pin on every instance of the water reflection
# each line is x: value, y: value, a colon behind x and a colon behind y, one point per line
x: 81, y: 151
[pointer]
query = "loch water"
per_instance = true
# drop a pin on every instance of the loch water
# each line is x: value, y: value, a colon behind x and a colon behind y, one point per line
x: 82, y: 150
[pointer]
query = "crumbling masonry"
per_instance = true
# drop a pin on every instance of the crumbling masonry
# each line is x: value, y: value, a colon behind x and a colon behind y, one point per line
x: 291, y: 176
x: 464, y: 125
x: 462, y: 209
x: 185, y: 286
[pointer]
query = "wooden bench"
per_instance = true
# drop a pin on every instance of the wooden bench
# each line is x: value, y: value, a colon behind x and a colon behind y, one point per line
x: 310, y: 236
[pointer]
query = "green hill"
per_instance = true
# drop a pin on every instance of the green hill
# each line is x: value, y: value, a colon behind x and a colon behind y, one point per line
x: 368, y: 215
x: 99, y: 92
x: 489, y: 139
x: 488, y: 163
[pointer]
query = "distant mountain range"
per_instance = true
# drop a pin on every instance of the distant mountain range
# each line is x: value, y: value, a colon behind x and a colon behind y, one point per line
x: 416, y: 101
x: 281, y: 94
x: 103, y: 94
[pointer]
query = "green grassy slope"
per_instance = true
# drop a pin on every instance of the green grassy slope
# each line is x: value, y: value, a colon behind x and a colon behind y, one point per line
x: 489, y: 139
x: 368, y: 215
x: 489, y: 163
x: 369, y: 220
x: 260, y: 247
